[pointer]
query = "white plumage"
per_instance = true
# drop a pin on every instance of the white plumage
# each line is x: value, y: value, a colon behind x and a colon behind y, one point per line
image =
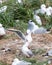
x: 37, y: 11
x: 35, y: 29
x: 49, y: 11
x: 27, y: 40
x: 28, y: 36
x: 43, y: 6
x: 15, y: 62
x: 50, y: 52
x: 2, y: 30
x: 32, y: 26
x: 38, y: 19
x: 22, y: 36
x: 49, y: 61
x: 0, y: 1
x: 19, y: 1
x: 43, y: 9
x: 18, y: 62
x: 26, y: 51
x: 3, y: 9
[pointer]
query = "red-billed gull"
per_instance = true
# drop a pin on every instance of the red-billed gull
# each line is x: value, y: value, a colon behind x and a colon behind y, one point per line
x: 38, y: 19
x: 27, y: 40
x: 49, y: 11
x: 43, y: 9
x: 3, y: 9
x: 35, y: 29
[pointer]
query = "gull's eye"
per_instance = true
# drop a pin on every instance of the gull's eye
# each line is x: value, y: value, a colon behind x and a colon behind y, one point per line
x: 31, y: 21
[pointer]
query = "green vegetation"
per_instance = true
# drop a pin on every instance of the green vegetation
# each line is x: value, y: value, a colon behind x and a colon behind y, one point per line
x: 39, y: 51
x: 22, y: 12
x: 2, y: 63
x: 34, y: 61
x: 46, y: 20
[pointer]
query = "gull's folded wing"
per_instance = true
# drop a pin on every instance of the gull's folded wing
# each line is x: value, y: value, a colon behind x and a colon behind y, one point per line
x: 41, y: 30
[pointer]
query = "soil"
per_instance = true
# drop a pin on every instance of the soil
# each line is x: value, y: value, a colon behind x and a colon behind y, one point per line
x: 10, y: 40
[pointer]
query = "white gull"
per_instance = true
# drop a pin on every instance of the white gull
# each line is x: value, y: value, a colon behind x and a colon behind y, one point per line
x: 43, y: 9
x: 27, y: 40
x: 35, y: 29
x: 49, y: 11
x: 20, y: 62
x: 2, y: 30
x: 38, y: 19
x: 3, y: 9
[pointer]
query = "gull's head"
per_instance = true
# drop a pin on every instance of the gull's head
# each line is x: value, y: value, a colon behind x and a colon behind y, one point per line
x: 43, y: 6
x: 16, y: 60
x: 0, y: 25
x: 29, y: 21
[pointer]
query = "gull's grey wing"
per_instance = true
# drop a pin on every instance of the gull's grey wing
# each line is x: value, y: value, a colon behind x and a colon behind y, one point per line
x: 19, y: 33
x: 41, y: 30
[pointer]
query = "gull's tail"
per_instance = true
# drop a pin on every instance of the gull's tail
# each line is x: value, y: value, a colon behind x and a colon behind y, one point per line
x: 46, y: 54
x: 30, y: 53
x: 19, y: 33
